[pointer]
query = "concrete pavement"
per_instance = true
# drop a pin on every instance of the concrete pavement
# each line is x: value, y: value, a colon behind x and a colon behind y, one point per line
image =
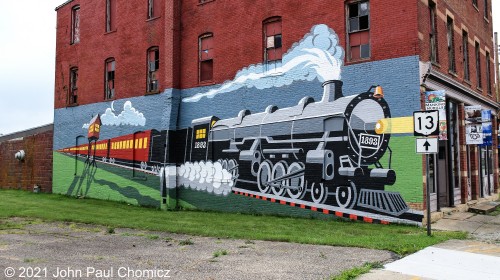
x: 477, y: 258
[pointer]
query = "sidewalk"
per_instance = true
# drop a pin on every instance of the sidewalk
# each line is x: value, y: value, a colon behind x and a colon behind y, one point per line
x: 454, y: 259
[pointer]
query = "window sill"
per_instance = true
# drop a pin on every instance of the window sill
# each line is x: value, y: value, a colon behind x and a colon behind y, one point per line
x: 453, y: 73
x: 436, y: 64
x: 356, y: 61
x: 206, y: 83
x: 475, y: 7
x: 72, y: 105
x: 479, y: 89
x: 205, y: 2
x: 468, y: 82
x: 152, y: 92
x: 486, y: 19
x: 110, y: 32
x: 153, y: 18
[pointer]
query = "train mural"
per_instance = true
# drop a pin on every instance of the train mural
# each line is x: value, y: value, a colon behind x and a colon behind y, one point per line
x: 329, y: 154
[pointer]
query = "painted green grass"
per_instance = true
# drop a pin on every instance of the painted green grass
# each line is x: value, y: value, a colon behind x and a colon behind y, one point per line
x: 104, y: 182
x: 397, y: 238
x: 408, y: 167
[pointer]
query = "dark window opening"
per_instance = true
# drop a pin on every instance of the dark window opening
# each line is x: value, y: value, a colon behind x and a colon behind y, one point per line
x: 433, y: 33
x: 153, y: 9
x: 486, y: 10
x: 359, y: 30
x: 488, y: 74
x: 465, y: 52
x: 206, y: 58
x: 110, y: 79
x: 73, y: 86
x: 451, y: 45
x: 478, y: 65
x: 153, y: 66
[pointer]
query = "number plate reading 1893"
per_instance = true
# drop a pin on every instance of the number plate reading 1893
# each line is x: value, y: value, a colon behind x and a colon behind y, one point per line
x: 368, y: 141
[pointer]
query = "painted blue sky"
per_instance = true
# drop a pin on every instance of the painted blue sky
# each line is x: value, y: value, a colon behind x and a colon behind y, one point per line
x: 27, y: 58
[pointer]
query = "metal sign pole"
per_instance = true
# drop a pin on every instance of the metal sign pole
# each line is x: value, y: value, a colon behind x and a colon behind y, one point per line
x: 428, y: 197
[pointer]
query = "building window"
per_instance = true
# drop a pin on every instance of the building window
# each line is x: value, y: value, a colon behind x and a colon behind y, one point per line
x: 273, y: 42
x: 206, y: 57
x: 153, y: 66
x: 486, y: 10
x: 110, y: 15
x: 451, y: 45
x: 153, y: 9
x: 110, y: 79
x: 478, y: 65
x: 73, y: 86
x: 433, y: 33
x: 488, y: 73
x: 359, y: 30
x: 465, y: 52
x: 75, y: 25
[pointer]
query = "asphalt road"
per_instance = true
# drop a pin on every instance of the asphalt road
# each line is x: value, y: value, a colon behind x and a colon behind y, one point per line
x: 78, y: 251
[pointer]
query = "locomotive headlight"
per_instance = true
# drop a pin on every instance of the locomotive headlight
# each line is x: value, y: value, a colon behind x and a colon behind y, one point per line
x: 394, y: 125
x: 379, y: 92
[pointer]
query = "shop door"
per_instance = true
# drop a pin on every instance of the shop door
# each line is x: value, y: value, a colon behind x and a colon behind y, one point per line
x: 485, y: 159
x: 442, y: 175
x: 453, y: 155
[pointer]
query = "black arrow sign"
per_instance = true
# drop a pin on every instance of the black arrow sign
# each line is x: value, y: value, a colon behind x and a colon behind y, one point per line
x: 427, y: 145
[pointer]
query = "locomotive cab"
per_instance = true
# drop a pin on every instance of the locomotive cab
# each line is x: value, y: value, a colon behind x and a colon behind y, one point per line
x: 200, y: 146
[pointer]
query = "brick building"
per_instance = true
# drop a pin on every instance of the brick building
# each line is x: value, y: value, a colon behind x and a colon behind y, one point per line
x: 219, y: 104
x: 34, y: 168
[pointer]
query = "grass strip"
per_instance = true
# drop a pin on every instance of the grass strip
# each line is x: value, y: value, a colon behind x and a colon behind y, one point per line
x: 400, y: 239
x: 356, y: 271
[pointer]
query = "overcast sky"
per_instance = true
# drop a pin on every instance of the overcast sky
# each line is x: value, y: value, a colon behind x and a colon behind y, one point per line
x: 27, y: 58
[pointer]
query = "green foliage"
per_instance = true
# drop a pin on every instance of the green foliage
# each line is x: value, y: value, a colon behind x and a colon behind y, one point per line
x: 219, y: 253
x: 400, y: 239
x: 357, y: 271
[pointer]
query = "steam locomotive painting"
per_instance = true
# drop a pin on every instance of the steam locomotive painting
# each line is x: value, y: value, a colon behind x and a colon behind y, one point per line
x: 325, y: 152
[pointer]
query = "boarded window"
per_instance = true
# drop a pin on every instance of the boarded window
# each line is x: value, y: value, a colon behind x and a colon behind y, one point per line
x: 110, y: 15
x: 451, y: 45
x: 358, y: 25
x: 206, y: 57
x: 478, y: 65
x: 273, y: 50
x: 153, y: 66
x: 488, y: 74
x: 75, y: 25
x: 110, y: 79
x: 465, y: 52
x: 73, y: 86
x: 433, y: 38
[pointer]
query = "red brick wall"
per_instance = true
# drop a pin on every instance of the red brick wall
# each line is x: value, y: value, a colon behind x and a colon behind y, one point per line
x: 35, y: 169
x: 238, y: 33
x: 128, y: 45
x: 465, y: 17
x: 237, y: 29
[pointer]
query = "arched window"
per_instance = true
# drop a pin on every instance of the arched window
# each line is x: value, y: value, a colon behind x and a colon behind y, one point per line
x: 153, y: 60
x: 206, y: 57
x: 109, y: 78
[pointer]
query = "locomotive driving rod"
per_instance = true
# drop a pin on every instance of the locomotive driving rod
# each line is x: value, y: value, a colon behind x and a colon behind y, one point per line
x: 295, y: 174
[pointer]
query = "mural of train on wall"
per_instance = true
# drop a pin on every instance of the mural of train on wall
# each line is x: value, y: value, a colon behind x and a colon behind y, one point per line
x: 325, y: 153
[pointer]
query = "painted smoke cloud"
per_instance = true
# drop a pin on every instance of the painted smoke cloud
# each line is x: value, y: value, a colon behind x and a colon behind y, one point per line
x: 129, y: 116
x: 317, y: 55
x: 205, y: 176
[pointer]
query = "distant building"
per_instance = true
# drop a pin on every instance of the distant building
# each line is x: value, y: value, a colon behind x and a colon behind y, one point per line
x: 231, y: 93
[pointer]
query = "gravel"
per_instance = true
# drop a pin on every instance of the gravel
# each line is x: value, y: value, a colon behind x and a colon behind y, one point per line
x: 78, y: 251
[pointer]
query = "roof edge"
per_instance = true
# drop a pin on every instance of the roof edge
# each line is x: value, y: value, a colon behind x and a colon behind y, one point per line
x: 63, y: 4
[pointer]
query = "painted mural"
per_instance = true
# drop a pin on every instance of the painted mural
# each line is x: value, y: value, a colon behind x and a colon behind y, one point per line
x: 330, y: 155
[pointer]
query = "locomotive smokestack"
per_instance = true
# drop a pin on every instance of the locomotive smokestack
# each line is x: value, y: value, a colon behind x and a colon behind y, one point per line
x: 332, y: 90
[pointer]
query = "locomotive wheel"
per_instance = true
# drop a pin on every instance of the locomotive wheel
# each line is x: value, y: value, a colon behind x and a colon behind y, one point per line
x: 346, y: 196
x: 298, y: 182
x: 279, y: 170
x: 231, y: 165
x: 264, y: 176
x: 319, y: 193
